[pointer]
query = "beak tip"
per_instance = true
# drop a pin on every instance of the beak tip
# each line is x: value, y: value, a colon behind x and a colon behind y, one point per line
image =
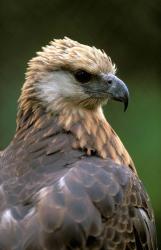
x: 125, y: 105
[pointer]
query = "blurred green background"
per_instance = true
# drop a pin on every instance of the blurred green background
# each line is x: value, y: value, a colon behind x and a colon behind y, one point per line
x: 129, y: 31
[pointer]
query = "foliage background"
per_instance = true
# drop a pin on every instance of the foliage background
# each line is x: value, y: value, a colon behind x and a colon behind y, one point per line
x: 129, y: 31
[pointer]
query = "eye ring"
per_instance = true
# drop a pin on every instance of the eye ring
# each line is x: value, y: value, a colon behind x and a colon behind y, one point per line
x: 82, y: 76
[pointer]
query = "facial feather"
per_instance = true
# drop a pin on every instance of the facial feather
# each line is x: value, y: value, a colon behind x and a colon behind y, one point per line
x: 58, y: 85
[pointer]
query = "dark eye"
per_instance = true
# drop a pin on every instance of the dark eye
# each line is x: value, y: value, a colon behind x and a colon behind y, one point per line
x: 82, y: 76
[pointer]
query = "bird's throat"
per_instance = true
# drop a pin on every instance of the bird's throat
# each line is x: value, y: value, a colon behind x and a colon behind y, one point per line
x: 93, y: 134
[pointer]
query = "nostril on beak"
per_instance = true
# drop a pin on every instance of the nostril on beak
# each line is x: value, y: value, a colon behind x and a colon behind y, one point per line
x: 109, y: 81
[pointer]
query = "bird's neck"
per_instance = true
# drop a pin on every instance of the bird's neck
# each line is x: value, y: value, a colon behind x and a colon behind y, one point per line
x: 94, y: 134
x: 90, y: 129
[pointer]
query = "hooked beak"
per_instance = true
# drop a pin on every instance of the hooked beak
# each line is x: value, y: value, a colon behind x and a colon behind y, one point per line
x: 117, y: 90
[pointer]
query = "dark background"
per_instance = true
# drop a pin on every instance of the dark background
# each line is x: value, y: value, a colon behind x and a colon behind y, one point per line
x: 129, y: 31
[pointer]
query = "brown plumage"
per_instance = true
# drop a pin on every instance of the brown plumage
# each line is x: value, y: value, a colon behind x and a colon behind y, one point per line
x: 66, y: 180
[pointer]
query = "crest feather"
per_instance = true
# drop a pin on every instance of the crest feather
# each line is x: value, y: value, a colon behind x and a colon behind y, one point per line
x: 71, y: 55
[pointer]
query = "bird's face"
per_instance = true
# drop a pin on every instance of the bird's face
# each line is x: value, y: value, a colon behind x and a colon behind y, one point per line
x: 83, y: 89
x: 78, y: 75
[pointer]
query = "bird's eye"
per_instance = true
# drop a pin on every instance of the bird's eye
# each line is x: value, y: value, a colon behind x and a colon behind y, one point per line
x: 82, y: 76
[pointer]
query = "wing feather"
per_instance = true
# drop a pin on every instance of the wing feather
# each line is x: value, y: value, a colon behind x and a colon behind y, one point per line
x: 94, y: 204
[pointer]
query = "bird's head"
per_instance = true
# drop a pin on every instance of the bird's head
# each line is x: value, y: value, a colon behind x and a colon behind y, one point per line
x: 69, y: 73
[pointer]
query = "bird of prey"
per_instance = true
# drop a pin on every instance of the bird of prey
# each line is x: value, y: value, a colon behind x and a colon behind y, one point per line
x: 66, y: 180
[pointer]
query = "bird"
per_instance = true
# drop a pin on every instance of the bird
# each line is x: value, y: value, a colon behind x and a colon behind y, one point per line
x: 66, y: 180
